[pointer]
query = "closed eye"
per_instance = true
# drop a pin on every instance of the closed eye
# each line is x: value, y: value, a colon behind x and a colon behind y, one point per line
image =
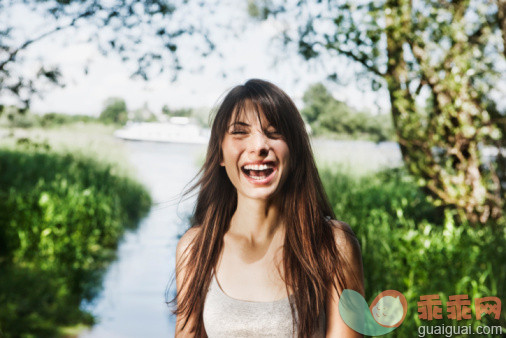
x: 273, y: 134
x: 238, y: 132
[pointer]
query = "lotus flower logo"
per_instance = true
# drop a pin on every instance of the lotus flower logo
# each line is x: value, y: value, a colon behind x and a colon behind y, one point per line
x: 386, y: 313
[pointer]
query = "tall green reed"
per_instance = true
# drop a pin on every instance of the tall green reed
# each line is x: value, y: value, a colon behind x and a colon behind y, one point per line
x: 415, y: 248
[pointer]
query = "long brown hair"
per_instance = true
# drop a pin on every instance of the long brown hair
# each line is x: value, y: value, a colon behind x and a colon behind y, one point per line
x: 311, y: 259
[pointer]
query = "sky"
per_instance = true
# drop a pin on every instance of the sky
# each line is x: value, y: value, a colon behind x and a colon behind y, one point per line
x: 251, y: 54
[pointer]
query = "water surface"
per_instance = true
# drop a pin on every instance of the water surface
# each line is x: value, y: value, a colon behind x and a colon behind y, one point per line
x: 132, y: 301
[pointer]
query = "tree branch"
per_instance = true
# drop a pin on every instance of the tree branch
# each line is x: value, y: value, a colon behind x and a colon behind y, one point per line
x: 12, y: 55
x: 362, y: 60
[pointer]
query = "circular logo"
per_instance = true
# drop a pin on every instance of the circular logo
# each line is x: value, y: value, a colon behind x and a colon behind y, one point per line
x: 389, y: 308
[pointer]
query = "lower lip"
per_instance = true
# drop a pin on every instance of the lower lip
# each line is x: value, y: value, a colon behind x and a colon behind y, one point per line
x: 263, y: 181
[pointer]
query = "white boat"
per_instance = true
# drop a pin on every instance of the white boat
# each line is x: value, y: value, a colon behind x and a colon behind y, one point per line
x: 177, y: 130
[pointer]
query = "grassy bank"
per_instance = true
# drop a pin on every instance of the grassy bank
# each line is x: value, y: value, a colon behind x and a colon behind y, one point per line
x: 410, y: 246
x: 62, y: 215
x: 90, y: 139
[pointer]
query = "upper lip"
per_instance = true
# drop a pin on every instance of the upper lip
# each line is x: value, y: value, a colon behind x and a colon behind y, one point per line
x: 259, y: 162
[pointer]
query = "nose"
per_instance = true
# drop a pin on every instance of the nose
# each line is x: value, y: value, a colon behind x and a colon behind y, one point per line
x: 259, y: 144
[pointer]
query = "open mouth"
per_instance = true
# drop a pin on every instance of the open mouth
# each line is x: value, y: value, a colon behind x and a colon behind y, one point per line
x: 258, y: 171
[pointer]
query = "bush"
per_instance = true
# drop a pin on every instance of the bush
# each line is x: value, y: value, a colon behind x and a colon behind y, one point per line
x: 410, y: 246
x: 62, y: 216
x: 115, y: 111
x: 57, y: 119
x: 14, y: 117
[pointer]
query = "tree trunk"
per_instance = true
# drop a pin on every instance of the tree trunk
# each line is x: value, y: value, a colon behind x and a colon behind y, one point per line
x: 501, y: 16
x: 442, y: 150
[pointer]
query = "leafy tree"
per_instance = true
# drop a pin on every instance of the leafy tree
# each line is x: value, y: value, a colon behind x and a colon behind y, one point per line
x: 115, y: 111
x: 326, y: 115
x: 318, y: 100
x: 446, y: 51
x: 182, y: 112
x: 143, y: 114
x: 143, y: 33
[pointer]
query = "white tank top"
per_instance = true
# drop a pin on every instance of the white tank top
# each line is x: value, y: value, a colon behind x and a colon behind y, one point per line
x: 227, y: 317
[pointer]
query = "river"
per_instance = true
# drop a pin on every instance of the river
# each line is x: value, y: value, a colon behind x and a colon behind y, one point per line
x: 132, y: 303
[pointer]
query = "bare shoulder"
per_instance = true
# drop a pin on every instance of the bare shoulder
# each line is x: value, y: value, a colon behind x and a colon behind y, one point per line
x: 352, y: 274
x: 349, y: 247
x: 343, y: 226
x: 186, y: 240
x: 344, y: 235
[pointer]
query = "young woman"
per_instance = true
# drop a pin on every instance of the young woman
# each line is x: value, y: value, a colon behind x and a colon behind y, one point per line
x: 264, y: 256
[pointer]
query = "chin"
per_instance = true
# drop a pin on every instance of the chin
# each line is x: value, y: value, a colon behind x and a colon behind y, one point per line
x: 266, y: 195
x: 258, y: 194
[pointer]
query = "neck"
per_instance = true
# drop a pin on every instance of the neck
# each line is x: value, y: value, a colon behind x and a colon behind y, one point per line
x: 256, y: 221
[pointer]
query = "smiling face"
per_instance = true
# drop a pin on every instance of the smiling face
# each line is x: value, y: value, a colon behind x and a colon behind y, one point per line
x: 254, y: 154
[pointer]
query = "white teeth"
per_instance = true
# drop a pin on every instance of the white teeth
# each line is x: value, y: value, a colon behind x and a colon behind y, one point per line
x: 258, y: 166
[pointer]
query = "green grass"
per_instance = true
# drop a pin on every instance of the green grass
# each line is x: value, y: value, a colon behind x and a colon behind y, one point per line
x: 62, y: 215
x: 410, y: 246
x: 89, y: 139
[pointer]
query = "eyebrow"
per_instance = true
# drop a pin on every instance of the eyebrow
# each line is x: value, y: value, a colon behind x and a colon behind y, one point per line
x: 239, y: 123
x: 246, y: 125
